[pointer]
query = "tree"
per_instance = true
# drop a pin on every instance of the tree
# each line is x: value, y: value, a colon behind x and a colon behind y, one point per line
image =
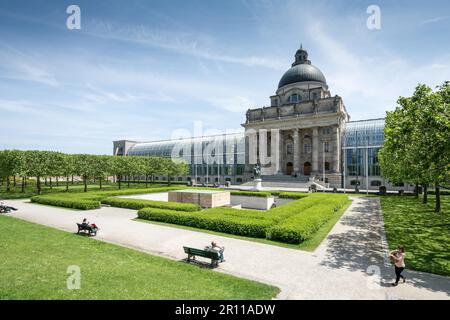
x: 9, y: 164
x: 176, y: 167
x: 84, y: 164
x: 68, y: 168
x: 37, y: 166
x: 416, y: 148
x: 119, y: 168
x: 102, y: 167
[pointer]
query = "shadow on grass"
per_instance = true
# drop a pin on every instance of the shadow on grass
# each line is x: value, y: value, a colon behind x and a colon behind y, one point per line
x: 359, y: 246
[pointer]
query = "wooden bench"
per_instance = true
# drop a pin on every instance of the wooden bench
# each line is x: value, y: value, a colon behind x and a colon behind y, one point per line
x: 86, y: 229
x: 193, y: 252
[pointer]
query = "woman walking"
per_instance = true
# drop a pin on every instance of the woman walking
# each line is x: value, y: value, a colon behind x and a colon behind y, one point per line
x: 398, y: 258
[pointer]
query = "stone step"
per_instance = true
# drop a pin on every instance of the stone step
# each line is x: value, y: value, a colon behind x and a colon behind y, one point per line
x: 285, y: 178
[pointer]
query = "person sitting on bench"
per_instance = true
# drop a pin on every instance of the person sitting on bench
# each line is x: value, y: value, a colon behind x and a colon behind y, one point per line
x: 218, y: 249
x: 4, y: 208
x: 85, y: 223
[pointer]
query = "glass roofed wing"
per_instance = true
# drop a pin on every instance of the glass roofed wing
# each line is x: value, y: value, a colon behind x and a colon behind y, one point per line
x: 224, y: 148
x: 364, y: 133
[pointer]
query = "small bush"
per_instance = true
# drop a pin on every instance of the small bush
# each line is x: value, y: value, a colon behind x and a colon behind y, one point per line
x: 140, y: 203
x: 221, y: 222
x: 67, y: 203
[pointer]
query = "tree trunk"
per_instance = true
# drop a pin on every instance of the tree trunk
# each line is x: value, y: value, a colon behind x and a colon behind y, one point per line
x: 45, y: 181
x: 57, y: 182
x: 50, y: 180
x: 14, y: 177
x: 38, y: 184
x: 8, y: 184
x: 153, y: 178
x: 146, y: 180
x: 425, y: 193
x: 119, y: 180
x: 23, y: 184
x: 438, y: 199
x: 67, y: 183
x: 416, y: 191
x: 85, y: 183
x: 168, y: 180
x: 128, y: 177
x: 100, y: 182
x: 72, y: 179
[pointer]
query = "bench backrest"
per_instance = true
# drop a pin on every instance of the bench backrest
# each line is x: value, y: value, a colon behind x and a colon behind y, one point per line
x: 202, y: 253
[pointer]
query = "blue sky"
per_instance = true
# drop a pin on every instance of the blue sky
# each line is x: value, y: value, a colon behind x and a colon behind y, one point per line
x: 142, y: 69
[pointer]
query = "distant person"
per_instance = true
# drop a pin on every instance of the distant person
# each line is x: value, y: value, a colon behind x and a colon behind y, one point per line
x: 398, y: 258
x: 215, y: 247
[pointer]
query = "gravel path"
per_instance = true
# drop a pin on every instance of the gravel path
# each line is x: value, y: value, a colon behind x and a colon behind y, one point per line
x: 348, y: 264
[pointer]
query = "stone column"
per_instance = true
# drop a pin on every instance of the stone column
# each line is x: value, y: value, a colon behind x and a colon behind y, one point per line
x: 296, y: 151
x: 276, y: 149
x: 337, y: 152
x: 315, y: 150
x: 280, y: 153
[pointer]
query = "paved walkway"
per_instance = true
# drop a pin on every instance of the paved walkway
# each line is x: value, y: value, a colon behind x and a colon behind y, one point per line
x: 342, y: 267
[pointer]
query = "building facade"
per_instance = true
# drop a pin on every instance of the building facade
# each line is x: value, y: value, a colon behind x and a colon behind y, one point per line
x: 306, y: 133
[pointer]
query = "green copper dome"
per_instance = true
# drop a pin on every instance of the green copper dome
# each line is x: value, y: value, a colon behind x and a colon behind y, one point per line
x: 302, y: 71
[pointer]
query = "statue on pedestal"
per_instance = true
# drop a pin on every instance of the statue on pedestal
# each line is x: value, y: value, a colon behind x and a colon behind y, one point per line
x: 257, y: 171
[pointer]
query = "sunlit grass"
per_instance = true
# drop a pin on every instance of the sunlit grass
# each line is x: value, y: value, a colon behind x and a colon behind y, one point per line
x: 34, y: 262
x: 424, y: 233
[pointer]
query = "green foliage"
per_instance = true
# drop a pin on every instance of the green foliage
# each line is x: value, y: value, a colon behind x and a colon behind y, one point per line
x: 292, y: 195
x: 139, y: 204
x: 293, y: 222
x: 301, y: 226
x: 67, y: 203
x: 416, y: 146
x: 243, y: 225
x: 70, y: 199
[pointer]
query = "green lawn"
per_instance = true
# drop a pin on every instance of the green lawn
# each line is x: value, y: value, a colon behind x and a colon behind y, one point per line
x: 34, y: 262
x: 425, y: 234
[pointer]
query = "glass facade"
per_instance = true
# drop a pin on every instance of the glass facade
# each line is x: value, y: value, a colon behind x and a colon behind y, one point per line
x: 362, y: 141
x: 227, y: 153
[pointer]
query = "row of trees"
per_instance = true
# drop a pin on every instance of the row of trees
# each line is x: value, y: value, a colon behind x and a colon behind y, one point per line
x: 416, y: 146
x: 47, y: 164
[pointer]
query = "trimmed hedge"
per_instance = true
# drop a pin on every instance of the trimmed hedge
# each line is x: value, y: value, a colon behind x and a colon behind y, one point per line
x: 215, y: 221
x: 303, y: 225
x: 67, y: 203
x: 141, y: 203
x: 251, y: 194
x: 86, y: 200
x: 292, y: 223
x: 292, y: 195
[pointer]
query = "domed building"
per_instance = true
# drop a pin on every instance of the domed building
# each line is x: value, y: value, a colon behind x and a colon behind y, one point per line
x: 304, y: 137
x: 310, y: 123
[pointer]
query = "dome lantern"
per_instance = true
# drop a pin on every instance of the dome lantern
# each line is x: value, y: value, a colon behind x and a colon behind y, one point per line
x: 302, y: 71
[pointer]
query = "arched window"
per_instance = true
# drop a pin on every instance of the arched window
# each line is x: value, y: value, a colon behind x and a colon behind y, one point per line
x: 294, y: 98
x: 307, y: 147
x: 327, y: 166
x: 289, y: 149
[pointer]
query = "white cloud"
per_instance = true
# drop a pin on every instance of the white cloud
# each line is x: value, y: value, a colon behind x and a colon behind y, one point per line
x: 196, y: 45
